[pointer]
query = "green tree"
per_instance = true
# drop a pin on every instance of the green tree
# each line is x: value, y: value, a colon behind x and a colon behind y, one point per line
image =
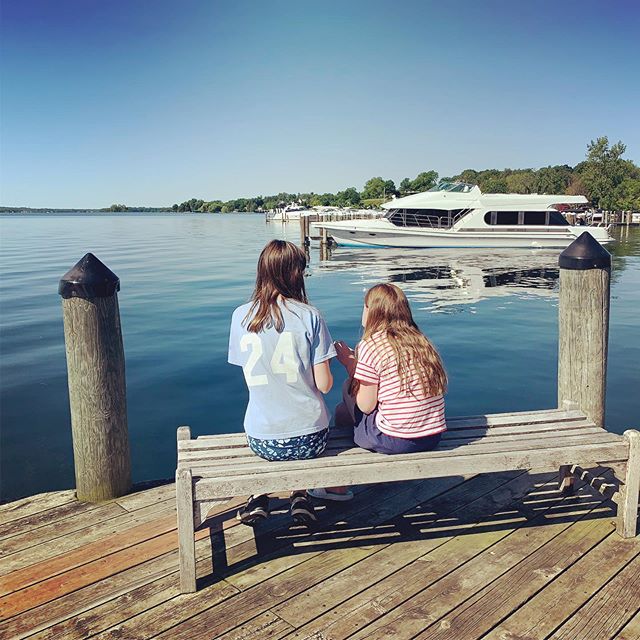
x: 627, y: 195
x: 424, y: 181
x: 468, y: 175
x: 495, y: 184
x: 374, y: 188
x: 603, y: 170
x: 405, y: 187
x: 553, y: 179
x: 521, y: 181
x: 576, y: 186
x: 389, y: 189
x: 347, y: 198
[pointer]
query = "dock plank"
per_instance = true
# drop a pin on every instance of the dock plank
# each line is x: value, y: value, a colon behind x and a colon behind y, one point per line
x: 140, y: 499
x: 77, y: 537
x: 268, y: 582
x: 103, y: 604
x: 608, y: 611
x: 513, y: 588
x: 568, y: 592
x: 460, y: 508
x: 27, y: 576
x: 461, y: 544
x: 266, y: 625
x: 438, y: 599
x: 44, y: 517
x: 631, y: 630
x: 34, y: 504
x: 187, y: 617
x: 114, y: 602
x: 82, y: 518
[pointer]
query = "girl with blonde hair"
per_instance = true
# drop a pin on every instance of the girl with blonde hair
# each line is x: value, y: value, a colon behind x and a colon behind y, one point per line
x: 283, y: 346
x: 397, y: 380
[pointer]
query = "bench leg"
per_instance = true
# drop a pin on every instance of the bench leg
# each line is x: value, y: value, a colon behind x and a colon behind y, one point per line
x: 566, y: 480
x: 628, y: 503
x: 186, y: 539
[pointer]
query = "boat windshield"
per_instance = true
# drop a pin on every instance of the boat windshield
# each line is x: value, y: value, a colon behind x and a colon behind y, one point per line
x: 456, y: 187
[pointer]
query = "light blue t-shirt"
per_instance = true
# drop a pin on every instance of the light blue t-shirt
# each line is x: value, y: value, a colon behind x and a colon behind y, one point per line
x: 284, y: 401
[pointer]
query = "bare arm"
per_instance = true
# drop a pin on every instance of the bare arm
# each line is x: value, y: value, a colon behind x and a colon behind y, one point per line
x: 322, y: 376
x: 367, y: 396
x: 346, y: 357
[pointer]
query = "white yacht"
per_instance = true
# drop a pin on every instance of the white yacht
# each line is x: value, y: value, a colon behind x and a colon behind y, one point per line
x: 457, y: 214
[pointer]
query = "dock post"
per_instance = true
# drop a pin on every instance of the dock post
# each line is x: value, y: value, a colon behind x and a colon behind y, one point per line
x: 96, y: 375
x: 303, y: 235
x: 583, y: 326
x: 324, y: 244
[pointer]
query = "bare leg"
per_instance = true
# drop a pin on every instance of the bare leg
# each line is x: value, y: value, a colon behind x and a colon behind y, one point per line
x: 344, y: 417
x: 346, y: 410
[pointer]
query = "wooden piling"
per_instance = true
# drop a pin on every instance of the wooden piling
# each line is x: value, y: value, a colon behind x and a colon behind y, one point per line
x: 303, y: 234
x: 585, y: 272
x: 96, y: 378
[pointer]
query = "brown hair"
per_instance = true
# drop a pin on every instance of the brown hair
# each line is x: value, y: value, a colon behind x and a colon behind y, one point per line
x: 280, y: 273
x: 389, y: 316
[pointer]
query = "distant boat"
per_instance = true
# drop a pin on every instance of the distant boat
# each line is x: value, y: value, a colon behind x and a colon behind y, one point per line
x: 292, y: 211
x: 458, y: 214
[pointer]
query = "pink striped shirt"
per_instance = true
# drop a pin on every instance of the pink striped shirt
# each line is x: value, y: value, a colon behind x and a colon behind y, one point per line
x: 408, y: 414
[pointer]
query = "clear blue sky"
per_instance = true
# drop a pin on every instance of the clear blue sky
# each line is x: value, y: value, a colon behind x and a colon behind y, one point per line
x: 157, y: 101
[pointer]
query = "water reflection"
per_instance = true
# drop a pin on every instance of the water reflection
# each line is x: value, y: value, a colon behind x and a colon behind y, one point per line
x: 444, y: 278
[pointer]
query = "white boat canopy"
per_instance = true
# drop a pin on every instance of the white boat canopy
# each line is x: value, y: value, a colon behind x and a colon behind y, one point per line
x: 458, y: 195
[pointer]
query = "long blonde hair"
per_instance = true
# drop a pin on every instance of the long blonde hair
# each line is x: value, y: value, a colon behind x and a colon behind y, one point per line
x: 280, y: 273
x: 389, y: 317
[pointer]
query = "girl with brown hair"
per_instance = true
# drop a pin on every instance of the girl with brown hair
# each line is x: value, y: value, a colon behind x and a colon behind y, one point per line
x: 283, y: 346
x: 397, y: 380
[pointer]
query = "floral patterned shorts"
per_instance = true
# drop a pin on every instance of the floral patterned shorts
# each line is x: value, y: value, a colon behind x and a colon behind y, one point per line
x: 298, y: 448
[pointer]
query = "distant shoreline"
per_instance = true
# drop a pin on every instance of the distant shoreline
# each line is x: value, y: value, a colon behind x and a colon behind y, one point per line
x: 53, y: 211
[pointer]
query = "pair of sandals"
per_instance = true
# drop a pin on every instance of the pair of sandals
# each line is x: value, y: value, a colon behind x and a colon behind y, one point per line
x: 301, y: 509
x: 257, y: 509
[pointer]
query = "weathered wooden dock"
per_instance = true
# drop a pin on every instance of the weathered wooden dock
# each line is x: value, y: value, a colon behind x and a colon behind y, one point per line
x: 498, y: 556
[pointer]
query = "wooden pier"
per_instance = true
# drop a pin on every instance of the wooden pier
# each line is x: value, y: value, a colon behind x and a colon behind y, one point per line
x: 505, y: 555
x: 497, y: 556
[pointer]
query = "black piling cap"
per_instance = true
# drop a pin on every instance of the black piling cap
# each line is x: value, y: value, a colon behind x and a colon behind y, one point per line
x: 89, y: 278
x: 585, y: 252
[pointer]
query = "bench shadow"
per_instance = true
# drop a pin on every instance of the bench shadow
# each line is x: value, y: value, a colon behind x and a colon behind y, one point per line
x: 349, y: 524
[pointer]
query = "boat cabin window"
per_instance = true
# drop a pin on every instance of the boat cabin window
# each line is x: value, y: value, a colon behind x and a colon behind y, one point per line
x: 535, y: 217
x: 527, y: 218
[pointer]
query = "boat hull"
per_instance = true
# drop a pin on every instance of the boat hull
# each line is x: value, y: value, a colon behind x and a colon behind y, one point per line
x: 453, y: 239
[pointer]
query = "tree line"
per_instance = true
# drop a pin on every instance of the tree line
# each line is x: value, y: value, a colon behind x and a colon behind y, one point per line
x: 607, y: 179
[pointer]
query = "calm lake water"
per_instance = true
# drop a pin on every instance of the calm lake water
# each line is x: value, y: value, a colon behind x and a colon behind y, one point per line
x: 493, y: 316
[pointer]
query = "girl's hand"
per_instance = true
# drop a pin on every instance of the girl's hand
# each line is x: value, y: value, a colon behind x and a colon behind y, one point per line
x: 344, y: 353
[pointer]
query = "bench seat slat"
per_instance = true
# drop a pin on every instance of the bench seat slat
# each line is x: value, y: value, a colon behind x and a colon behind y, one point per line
x: 357, y: 471
x: 345, y: 438
x: 331, y: 462
x: 229, y: 441
x: 473, y: 422
x: 345, y: 446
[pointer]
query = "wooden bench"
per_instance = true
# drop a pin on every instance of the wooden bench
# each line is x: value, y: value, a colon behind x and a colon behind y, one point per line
x: 215, y: 467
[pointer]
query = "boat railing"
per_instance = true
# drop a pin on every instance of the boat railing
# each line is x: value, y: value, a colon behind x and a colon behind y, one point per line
x: 426, y: 220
